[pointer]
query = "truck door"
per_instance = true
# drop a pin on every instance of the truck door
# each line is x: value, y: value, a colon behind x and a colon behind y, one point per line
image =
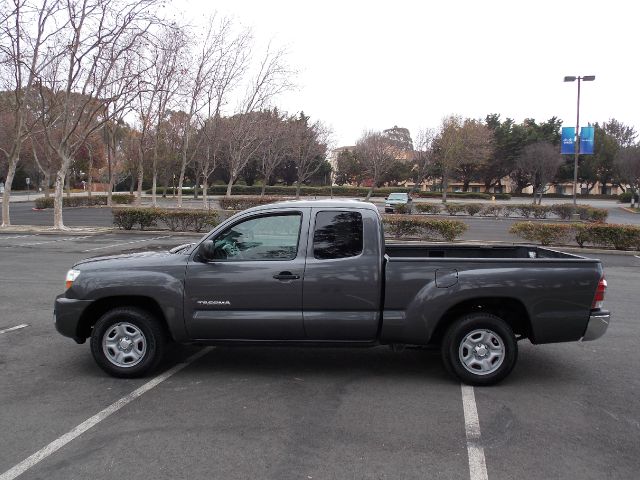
x: 252, y: 289
x: 342, y: 279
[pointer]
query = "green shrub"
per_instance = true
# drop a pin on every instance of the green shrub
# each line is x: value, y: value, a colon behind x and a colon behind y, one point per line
x: 544, y: 233
x: 187, y: 220
x: 431, y: 208
x: 401, y: 209
x: 507, y: 210
x: 563, y: 210
x: 454, y: 208
x: 540, y: 211
x: 85, y: 201
x: 401, y: 226
x: 242, y: 203
x: 620, y: 237
x: 473, y: 208
x: 625, y: 197
x: 524, y: 210
x: 492, y: 210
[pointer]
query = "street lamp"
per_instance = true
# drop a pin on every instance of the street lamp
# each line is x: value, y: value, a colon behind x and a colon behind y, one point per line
x: 586, y: 78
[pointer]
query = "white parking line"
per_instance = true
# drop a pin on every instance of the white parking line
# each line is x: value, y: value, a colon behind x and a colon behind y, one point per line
x: 11, y: 237
x: 126, y: 243
x: 11, y: 329
x: 60, y: 442
x: 66, y: 239
x: 477, y: 463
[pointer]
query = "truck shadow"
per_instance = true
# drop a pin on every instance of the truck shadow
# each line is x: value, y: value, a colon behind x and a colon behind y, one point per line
x: 303, y: 361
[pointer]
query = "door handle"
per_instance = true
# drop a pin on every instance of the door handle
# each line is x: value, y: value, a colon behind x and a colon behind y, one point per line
x: 286, y: 276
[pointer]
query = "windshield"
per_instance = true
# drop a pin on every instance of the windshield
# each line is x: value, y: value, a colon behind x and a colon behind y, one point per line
x: 398, y: 196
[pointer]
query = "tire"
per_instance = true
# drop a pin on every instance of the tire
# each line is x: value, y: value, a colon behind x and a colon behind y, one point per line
x: 128, y: 342
x: 479, y: 349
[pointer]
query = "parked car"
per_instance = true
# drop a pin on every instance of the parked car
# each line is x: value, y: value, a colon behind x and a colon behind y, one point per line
x: 319, y: 273
x: 396, y: 199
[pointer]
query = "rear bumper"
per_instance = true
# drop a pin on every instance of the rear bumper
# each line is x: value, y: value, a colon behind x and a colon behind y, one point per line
x: 66, y: 315
x: 597, y: 326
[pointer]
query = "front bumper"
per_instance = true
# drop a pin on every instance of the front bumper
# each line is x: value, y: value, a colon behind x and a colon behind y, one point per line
x: 66, y: 315
x: 597, y: 326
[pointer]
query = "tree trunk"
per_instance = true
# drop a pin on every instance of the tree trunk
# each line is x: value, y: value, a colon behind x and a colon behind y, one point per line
x: 298, y: 190
x: 229, y: 186
x: 47, y: 183
x: 90, y: 177
x: 57, y: 201
x: 465, y: 185
x: 445, y: 185
x: 370, y: 192
x: 183, y: 168
x: 138, y: 201
x: 13, y: 164
x: 205, y: 186
x: 154, y: 174
x: 264, y: 187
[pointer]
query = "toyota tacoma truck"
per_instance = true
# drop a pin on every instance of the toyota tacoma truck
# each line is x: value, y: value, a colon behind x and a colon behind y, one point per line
x: 320, y: 273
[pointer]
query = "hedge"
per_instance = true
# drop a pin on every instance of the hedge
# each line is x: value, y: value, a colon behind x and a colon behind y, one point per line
x: 527, y: 210
x: 85, y: 201
x: 325, y: 191
x: 242, y: 203
x: 400, y: 226
x: 431, y: 208
x: 620, y: 237
x: 187, y: 220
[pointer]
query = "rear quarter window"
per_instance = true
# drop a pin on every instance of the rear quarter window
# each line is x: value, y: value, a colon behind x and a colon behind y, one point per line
x: 337, y: 235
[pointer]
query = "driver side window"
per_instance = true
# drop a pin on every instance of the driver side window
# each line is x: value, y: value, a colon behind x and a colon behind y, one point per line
x: 272, y: 237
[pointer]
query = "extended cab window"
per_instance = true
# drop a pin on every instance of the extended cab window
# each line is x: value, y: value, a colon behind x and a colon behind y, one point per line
x: 273, y: 237
x: 337, y: 235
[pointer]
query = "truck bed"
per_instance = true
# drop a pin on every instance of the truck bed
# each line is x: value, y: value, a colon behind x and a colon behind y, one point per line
x: 551, y: 290
x: 408, y: 250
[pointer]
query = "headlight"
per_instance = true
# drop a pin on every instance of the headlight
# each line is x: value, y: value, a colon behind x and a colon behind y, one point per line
x: 71, y: 277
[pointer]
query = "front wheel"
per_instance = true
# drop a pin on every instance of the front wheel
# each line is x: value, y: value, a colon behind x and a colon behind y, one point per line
x: 127, y: 342
x: 479, y: 349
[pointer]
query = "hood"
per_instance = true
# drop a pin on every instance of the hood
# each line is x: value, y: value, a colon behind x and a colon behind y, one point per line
x: 124, y: 257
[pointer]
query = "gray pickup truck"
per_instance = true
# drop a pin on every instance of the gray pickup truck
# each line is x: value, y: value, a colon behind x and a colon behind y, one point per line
x: 319, y: 273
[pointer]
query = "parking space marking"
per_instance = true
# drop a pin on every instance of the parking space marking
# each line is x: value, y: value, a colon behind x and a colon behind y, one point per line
x: 126, y: 243
x: 11, y: 329
x: 11, y: 237
x: 32, y: 244
x: 477, y: 463
x: 60, y: 442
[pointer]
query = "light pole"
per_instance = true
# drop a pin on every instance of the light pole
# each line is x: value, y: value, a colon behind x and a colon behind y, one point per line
x: 586, y: 78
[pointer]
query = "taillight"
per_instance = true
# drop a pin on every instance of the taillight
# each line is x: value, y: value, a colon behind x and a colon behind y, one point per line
x: 598, y: 298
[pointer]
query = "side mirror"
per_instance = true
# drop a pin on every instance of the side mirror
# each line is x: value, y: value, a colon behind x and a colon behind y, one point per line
x: 205, y: 250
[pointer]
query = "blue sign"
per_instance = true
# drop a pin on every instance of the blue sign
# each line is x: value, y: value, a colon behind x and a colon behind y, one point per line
x: 587, y: 135
x: 568, y: 140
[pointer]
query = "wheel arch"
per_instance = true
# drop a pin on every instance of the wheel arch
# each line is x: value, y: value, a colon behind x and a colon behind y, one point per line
x: 509, y: 309
x: 101, y: 306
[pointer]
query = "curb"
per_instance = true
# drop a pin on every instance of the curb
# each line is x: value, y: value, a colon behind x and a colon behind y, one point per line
x: 91, y: 230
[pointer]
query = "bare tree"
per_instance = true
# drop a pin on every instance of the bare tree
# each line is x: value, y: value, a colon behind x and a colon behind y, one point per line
x: 540, y: 162
x: 628, y: 166
x: 96, y: 53
x: 423, y: 157
x: 271, y: 79
x: 230, y: 63
x: 375, y: 153
x: 24, y: 32
x: 460, y: 146
x: 308, y: 148
x: 274, y: 147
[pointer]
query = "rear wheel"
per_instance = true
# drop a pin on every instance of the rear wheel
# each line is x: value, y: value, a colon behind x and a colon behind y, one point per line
x: 479, y: 349
x: 127, y: 342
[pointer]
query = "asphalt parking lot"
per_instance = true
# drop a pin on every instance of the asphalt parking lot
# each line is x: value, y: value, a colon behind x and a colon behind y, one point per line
x: 567, y: 410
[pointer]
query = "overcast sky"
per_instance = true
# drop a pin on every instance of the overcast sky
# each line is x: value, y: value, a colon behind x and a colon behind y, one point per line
x: 373, y: 65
